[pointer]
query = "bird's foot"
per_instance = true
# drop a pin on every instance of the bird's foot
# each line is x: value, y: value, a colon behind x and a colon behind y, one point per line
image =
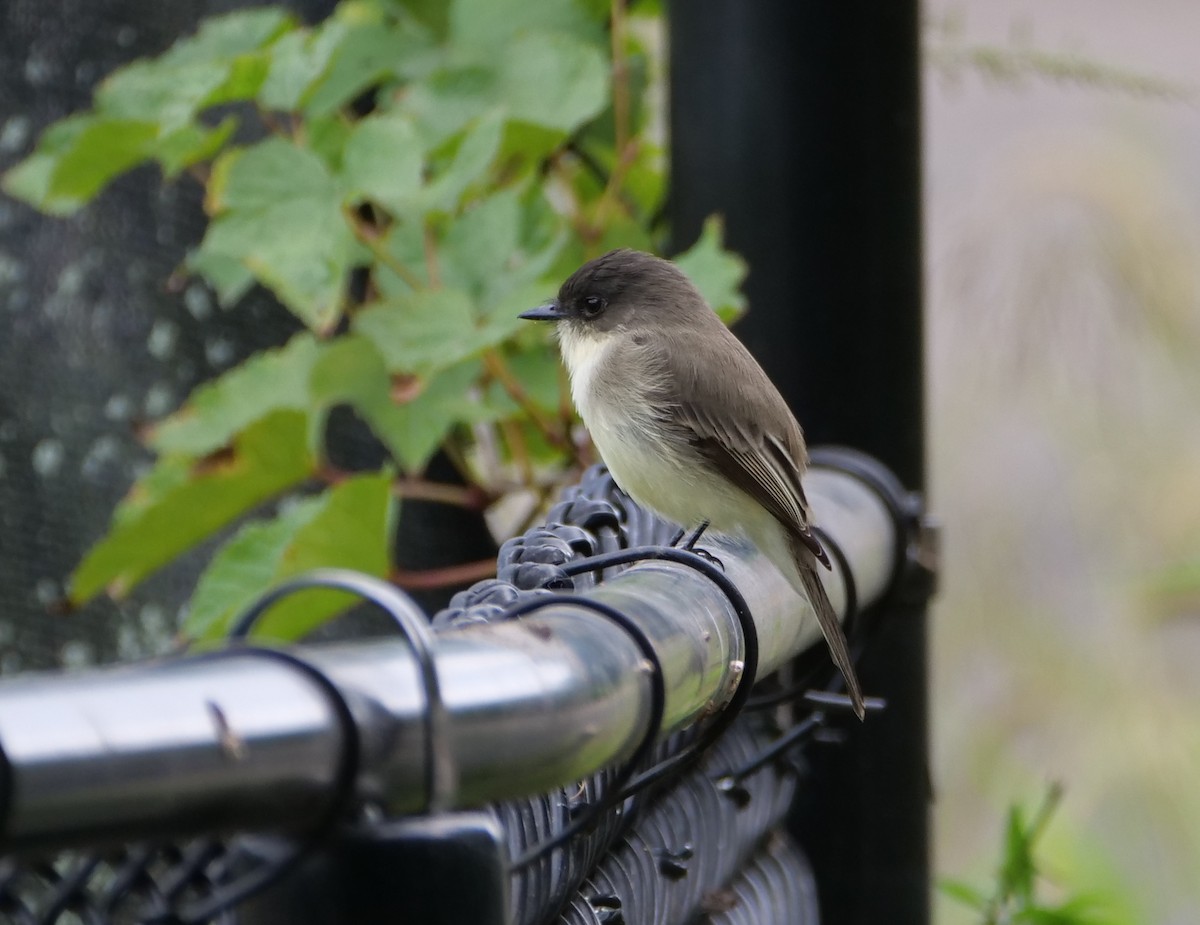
x: 693, y: 539
x: 690, y: 545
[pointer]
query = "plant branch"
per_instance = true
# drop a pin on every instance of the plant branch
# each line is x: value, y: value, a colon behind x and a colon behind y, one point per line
x: 501, y: 373
x: 620, y: 76
x: 427, y: 579
x: 471, y: 497
x: 370, y: 238
x: 520, y: 452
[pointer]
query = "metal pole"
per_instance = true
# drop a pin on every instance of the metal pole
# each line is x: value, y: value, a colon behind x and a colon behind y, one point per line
x: 252, y: 739
x: 800, y: 123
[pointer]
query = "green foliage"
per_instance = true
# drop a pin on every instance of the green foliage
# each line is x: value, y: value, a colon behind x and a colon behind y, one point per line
x: 490, y: 161
x: 1014, y: 900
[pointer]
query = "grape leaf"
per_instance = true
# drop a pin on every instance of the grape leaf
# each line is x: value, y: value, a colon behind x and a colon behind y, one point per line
x: 716, y: 272
x: 275, y: 185
x: 347, y: 526
x: 168, y: 514
x: 269, y: 381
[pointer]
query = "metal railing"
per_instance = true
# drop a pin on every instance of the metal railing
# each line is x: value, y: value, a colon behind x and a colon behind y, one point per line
x: 549, y: 735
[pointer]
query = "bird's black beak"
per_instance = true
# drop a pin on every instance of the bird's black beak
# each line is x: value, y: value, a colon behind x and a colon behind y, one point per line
x: 547, y: 312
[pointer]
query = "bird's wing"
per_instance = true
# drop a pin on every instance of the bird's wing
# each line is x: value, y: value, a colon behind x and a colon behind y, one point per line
x: 765, y: 465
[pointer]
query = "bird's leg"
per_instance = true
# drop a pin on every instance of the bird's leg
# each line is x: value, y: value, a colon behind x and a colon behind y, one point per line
x: 690, y: 545
x: 695, y: 537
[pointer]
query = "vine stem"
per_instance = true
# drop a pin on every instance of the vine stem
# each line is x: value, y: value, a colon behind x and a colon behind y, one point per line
x: 620, y: 76
x: 499, y: 370
x: 471, y: 497
x: 369, y: 237
x: 426, y: 579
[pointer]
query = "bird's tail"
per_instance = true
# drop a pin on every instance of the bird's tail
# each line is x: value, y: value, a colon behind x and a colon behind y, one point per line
x: 831, y: 627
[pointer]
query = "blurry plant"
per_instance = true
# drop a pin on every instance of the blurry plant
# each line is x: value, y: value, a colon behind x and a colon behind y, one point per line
x: 405, y: 177
x: 947, y: 50
x: 1014, y: 899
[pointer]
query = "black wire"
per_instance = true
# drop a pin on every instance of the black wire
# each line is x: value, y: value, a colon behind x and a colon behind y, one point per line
x: 414, y: 627
x: 788, y: 740
x: 658, y: 705
x: 344, y: 789
x: 750, y: 657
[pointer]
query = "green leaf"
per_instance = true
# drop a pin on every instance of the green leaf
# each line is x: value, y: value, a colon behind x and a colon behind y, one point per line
x: 716, y: 272
x: 964, y: 893
x: 448, y: 100
x: 490, y: 27
x: 411, y: 419
x: 226, y: 273
x: 382, y: 161
x: 348, y: 369
x: 415, y: 428
x: 367, y: 54
x: 275, y: 170
x: 191, y: 144
x: 159, y: 92
x: 279, y: 214
x: 423, y: 332
x: 554, y: 81
x: 167, y: 513
x: 244, y: 568
x: 498, y: 249
x: 471, y: 161
x: 230, y: 35
x: 1017, y: 869
x: 479, y: 244
x: 215, y: 412
x: 404, y: 244
x: 76, y: 158
x: 345, y: 527
x: 222, y: 63
x: 298, y: 60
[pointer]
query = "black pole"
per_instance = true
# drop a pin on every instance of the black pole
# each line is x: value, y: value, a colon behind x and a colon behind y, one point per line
x: 800, y: 122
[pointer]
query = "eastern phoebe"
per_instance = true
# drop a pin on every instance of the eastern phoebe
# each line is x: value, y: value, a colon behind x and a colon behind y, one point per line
x: 686, y: 421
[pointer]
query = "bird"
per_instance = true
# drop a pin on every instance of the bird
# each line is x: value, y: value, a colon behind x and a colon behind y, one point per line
x: 687, y: 422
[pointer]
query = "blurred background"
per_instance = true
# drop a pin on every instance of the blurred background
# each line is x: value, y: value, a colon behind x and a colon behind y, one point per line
x: 1063, y: 239
x: 1063, y: 300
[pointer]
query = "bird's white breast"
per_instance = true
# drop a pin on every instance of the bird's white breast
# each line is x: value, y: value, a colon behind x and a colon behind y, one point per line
x: 628, y: 434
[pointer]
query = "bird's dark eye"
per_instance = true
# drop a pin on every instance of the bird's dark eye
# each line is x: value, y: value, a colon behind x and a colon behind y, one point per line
x: 593, y: 305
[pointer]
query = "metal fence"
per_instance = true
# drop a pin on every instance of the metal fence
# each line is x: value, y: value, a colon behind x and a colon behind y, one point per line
x: 576, y: 740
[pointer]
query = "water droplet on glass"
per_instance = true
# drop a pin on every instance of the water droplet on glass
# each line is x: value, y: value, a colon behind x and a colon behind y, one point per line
x: 71, y: 280
x: 18, y: 300
x: 163, y: 337
x: 198, y: 301
x: 153, y: 621
x: 13, y: 134
x: 159, y: 400
x: 105, y: 450
x: 218, y: 351
x: 129, y: 643
x: 76, y: 654
x: 47, y: 592
x: 118, y: 407
x: 38, y: 69
x: 48, y: 457
x: 11, y: 271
